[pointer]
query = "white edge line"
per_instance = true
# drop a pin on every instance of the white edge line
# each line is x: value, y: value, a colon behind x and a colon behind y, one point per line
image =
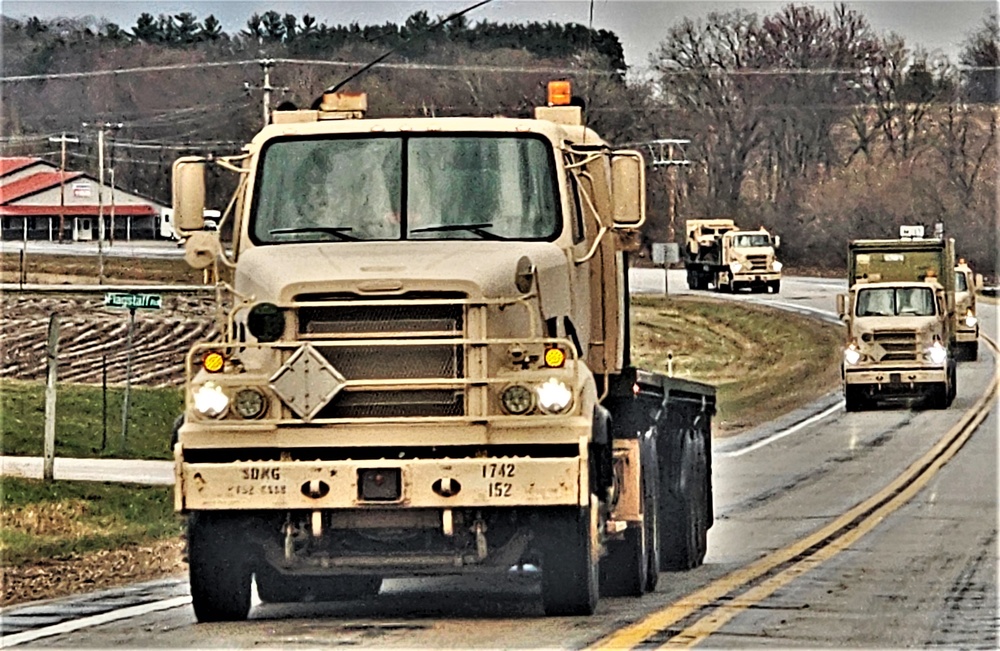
x: 780, y: 435
x: 94, y: 620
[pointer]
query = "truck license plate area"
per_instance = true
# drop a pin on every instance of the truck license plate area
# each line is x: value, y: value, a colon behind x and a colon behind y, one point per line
x: 895, y: 378
x: 379, y: 485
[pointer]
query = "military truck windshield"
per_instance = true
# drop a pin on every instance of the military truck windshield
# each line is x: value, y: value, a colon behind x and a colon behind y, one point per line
x: 960, y: 284
x: 406, y: 187
x: 899, y: 301
x: 752, y: 239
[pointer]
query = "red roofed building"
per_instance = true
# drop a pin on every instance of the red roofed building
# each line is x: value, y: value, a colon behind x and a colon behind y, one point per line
x: 35, y: 198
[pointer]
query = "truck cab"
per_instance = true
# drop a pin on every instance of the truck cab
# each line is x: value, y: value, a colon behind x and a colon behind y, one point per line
x: 966, y: 321
x: 719, y: 254
x: 424, y: 367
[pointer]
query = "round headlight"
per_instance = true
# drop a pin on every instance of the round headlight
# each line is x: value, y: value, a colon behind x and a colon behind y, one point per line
x: 970, y: 320
x: 554, y: 397
x: 266, y: 322
x: 517, y: 399
x: 249, y: 403
x: 210, y: 400
x: 852, y: 356
x: 736, y: 267
x: 937, y: 353
x: 776, y: 265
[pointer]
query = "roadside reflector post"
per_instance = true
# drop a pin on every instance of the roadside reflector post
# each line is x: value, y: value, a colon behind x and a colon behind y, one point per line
x: 49, y: 451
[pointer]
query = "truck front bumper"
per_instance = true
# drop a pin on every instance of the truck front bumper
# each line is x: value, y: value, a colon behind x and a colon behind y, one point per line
x: 381, y: 483
x: 964, y: 336
x: 756, y: 278
x: 896, y: 377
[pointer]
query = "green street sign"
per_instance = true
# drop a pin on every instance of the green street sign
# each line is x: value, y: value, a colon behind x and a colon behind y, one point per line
x: 133, y: 301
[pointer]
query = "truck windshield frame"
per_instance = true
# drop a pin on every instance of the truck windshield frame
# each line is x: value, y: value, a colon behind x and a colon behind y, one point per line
x: 402, y: 186
x: 751, y: 240
x: 895, y: 301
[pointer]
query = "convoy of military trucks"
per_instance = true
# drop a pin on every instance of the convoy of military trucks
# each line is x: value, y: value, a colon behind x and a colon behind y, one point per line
x: 424, y: 367
x: 425, y: 370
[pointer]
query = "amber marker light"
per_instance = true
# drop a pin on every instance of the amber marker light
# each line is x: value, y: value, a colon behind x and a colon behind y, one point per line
x: 554, y: 358
x: 213, y: 362
x: 560, y: 93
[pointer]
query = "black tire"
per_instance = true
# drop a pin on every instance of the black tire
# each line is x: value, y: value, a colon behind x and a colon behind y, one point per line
x: 774, y: 286
x: 854, y: 399
x: 651, y: 523
x: 937, y: 396
x: 623, y: 568
x: 570, y: 569
x: 952, y: 383
x: 969, y: 350
x: 683, y: 513
x: 272, y: 587
x: 219, y: 569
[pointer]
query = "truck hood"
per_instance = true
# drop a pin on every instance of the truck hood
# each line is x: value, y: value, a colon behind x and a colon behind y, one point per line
x: 480, y: 269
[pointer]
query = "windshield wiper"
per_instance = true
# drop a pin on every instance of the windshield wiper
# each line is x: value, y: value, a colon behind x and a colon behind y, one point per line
x: 471, y: 228
x: 340, y: 232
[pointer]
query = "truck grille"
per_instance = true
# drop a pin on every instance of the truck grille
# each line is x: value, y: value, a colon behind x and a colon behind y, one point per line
x: 341, y: 320
x: 897, y: 345
x: 757, y: 262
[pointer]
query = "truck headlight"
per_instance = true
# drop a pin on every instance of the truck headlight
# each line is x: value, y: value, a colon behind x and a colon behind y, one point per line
x: 517, y: 399
x: 937, y: 353
x: 852, y: 355
x: 970, y: 319
x: 776, y: 265
x: 210, y: 400
x: 736, y: 267
x: 249, y: 403
x: 554, y: 397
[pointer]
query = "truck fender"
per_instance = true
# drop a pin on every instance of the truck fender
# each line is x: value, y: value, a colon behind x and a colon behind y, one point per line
x: 601, y: 453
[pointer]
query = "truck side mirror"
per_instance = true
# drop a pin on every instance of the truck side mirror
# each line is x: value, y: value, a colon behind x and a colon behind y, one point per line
x: 841, y: 305
x: 979, y: 282
x: 189, y: 194
x: 777, y: 241
x: 628, y: 188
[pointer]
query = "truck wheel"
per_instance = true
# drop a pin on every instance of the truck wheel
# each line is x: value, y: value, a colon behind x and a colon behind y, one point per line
x: 570, y: 568
x: 683, y: 521
x: 937, y: 396
x: 651, y: 522
x: 623, y: 569
x: 692, y: 279
x: 854, y: 398
x: 272, y: 587
x: 970, y: 351
x: 219, y: 569
x: 952, y: 382
x: 774, y: 286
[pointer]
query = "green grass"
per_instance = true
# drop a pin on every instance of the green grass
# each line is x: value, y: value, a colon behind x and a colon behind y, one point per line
x: 52, y: 521
x: 80, y: 424
x: 763, y: 361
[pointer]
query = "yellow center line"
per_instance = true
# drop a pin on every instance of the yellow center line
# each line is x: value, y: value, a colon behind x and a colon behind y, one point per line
x: 634, y: 634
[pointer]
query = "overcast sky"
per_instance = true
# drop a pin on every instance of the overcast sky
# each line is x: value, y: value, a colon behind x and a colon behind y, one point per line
x: 640, y: 24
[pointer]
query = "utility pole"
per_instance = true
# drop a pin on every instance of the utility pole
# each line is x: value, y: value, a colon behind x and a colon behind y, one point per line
x: 62, y: 181
x: 102, y: 128
x: 267, y: 64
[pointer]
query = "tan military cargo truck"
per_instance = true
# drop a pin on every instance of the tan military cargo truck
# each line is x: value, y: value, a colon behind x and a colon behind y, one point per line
x: 900, y: 322
x: 966, y: 321
x: 424, y: 369
x: 720, y: 255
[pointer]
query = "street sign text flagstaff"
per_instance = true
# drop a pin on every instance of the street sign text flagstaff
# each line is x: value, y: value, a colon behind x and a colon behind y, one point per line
x: 133, y: 301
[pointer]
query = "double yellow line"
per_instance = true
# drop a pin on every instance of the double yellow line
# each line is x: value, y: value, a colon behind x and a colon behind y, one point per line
x: 765, y: 576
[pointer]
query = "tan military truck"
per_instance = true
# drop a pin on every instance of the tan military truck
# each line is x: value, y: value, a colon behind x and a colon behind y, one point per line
x: 900, y: 322
x: 718, y: 254
x: 966, y: 321
x: 425, y: 368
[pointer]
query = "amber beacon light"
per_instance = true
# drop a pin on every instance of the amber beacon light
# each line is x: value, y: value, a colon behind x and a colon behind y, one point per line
x: 560, y: 93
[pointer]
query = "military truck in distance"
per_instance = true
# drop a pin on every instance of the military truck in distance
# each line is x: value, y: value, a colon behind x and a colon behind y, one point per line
x: 425, y: 368
x: 966, y: 321
x: 718, y: 254
x: 900, y: 321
